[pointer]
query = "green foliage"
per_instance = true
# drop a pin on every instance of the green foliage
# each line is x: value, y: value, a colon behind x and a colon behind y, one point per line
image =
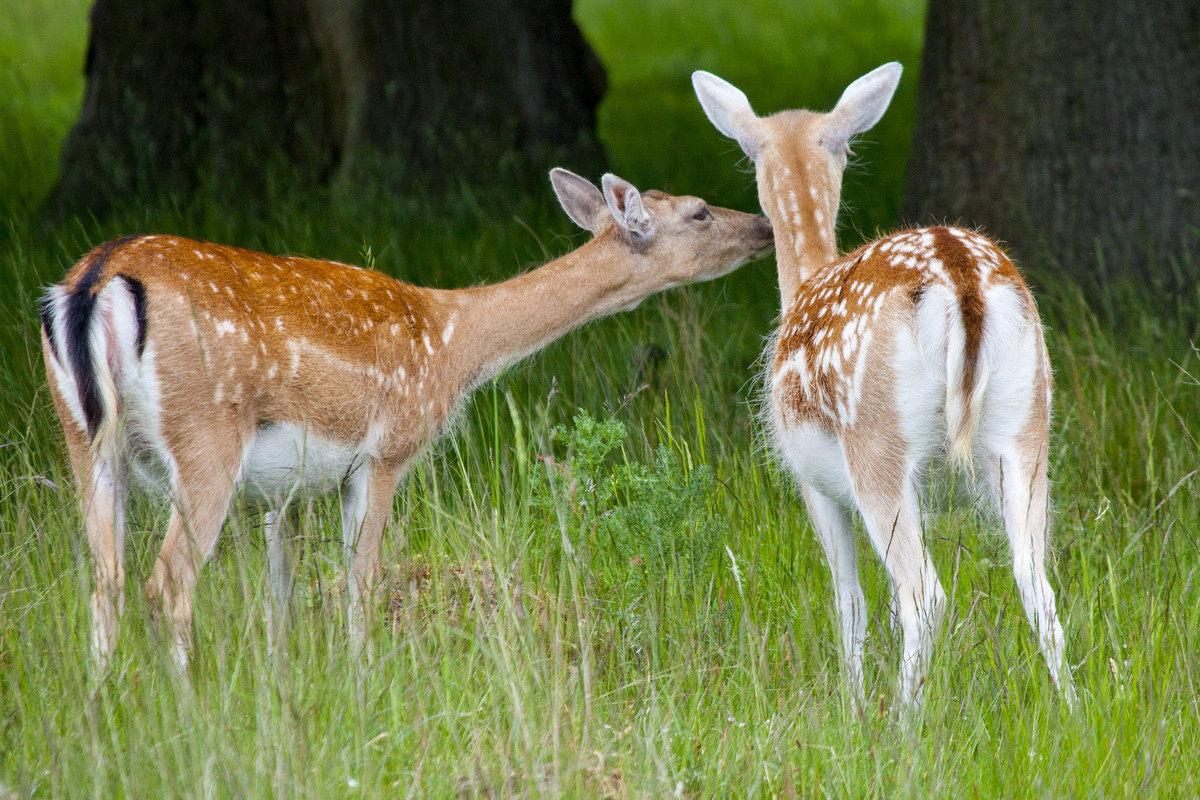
x: 589, y: 444
x: 41, y: 66
x: 507, y: 663
x: 647, y: 525
x: 783, y: 55
x: 664, y: 531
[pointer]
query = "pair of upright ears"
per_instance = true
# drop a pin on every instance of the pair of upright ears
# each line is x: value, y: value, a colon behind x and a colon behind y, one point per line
x: 860, y: 107
x: 596, y: 211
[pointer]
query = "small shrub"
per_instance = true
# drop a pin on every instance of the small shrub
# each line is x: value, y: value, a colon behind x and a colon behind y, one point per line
x: 642, y: 528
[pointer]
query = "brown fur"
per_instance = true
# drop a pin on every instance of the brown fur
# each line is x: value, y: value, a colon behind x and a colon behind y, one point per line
x: 878, y: 364
x: 237, y: 341
x: 860, y: 286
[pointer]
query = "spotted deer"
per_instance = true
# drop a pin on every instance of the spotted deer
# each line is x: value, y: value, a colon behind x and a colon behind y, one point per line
x: 229, y: 368
x: 920, y: 342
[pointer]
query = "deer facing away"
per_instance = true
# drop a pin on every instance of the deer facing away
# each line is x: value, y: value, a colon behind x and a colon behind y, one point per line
x: 230, y: 368
x: 919, y: 341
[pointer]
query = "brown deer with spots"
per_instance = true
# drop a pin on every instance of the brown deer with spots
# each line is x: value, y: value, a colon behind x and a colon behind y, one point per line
x: 922, y: 341
x: 226, y: 368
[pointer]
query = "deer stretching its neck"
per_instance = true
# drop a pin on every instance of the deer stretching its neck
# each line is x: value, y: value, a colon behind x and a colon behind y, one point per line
x: 615, y: 271
x: 500, y: 324
x: 232, y: 368
x: 920, y: 343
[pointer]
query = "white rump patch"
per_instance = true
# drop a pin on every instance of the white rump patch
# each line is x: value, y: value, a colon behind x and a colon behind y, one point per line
x: 817, y: 458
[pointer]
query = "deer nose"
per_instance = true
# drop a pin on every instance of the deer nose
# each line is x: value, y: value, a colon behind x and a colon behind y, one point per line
x: 764, y: 230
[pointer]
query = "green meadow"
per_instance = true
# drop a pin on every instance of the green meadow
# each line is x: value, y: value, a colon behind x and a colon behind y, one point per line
x: 661, y: 624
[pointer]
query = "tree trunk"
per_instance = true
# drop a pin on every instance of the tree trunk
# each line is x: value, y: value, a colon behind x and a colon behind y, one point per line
x: 1068, y: 130
x: 229, y: 100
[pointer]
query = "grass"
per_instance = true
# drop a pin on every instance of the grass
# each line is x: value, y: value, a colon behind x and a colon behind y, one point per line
x: 519, y: 653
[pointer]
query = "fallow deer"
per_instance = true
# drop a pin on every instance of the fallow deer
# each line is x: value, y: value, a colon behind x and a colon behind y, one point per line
x: 921, y: 341
x: 232, y: 369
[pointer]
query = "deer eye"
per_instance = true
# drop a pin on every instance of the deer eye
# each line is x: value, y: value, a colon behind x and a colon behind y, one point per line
x: 702, y: 214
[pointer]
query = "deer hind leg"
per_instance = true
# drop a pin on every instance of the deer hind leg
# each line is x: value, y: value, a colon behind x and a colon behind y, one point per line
x: 836, y: 534
x: 817, y: 459
x: 204, y: 475
x: 1014, y: 443
x: 886, y: 489
x: 104, y: 478
x: 893, y: 524
x: 1020, y: 485
x: 366, y: 506
x: 280, y: 526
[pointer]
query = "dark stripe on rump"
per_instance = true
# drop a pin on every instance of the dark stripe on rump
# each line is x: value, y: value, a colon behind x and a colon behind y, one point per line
x: 81, y: 303
x: 48, y: 324
x: 960, y: 265
x: 139, y: 307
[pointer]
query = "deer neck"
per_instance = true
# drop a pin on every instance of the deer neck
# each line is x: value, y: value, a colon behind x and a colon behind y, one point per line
x: 803, y: 210
x: 505, y: 322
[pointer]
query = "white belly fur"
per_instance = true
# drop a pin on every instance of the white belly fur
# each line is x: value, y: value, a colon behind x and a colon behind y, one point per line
x: 286, y: 456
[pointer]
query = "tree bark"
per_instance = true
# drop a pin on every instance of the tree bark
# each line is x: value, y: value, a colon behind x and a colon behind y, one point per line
x: 1067, y: 129
x: 230, y: 100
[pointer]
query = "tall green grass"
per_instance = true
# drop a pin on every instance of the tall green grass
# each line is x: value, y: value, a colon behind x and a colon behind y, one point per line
x: 517, y: 653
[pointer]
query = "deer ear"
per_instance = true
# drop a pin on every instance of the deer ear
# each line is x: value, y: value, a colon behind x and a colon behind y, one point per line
x: 861, y: 106
x: 580, y: 199
x: 729, y: 110
x: 625, y: 204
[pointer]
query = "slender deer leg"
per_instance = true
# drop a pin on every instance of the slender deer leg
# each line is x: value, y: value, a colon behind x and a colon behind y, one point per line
x: 366, y: 505
x: 896, y: 533
x: 103, y: 479
x: 280, y: 527
x: 202, y: 486
x: 836, y: 533
x: 105, y: 483
x: 886, y: 490
x: 1021, y: 490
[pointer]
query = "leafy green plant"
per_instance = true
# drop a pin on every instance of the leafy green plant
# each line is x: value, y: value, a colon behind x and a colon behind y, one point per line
x: 642, y: 526
x: 535, y: 660
x: 665, y: 528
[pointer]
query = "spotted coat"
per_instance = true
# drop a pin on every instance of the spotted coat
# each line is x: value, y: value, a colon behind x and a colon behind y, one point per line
x: 823, y: 346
